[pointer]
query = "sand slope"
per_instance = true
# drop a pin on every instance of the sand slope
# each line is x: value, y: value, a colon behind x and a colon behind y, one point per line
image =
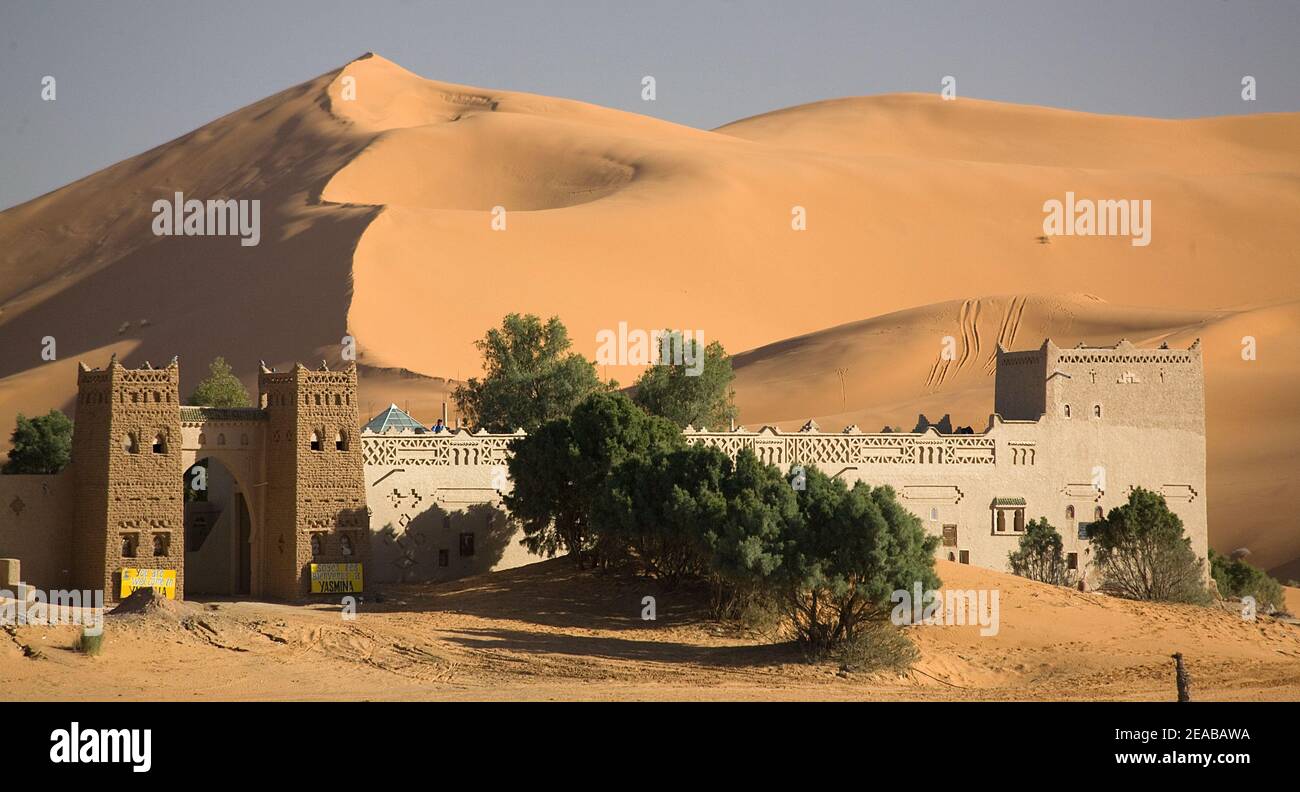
x: 377, y: 221
x: 547, y: 632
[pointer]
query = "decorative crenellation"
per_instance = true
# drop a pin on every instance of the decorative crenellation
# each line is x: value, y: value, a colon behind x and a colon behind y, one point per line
x: 1124, y: 352
x: 451, y: 448
x: 815, y: 448
x: 808, y: 446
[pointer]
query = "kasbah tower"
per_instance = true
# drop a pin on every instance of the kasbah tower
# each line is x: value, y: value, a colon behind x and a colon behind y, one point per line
x: 1129, y: 415
x: 130, y: 455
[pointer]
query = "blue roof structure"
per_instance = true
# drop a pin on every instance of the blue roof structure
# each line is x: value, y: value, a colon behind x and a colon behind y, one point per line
x: 394, y: 419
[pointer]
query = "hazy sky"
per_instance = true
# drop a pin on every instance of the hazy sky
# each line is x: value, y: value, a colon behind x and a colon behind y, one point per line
x: 132, y: 75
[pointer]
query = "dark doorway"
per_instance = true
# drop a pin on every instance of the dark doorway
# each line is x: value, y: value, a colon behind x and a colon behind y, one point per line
x: 217, y: 532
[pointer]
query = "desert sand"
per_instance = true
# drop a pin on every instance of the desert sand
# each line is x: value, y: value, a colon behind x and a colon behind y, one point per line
x: 924, y: 220
x: 546, y: 631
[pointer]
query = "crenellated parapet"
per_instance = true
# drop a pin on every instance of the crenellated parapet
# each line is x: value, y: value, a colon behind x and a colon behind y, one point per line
x: 452, y: 448
x: 808, y: 446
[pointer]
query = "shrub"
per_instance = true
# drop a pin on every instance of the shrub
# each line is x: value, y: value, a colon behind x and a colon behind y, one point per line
x: 1236, y: 578
x: 530, y: 376
x: 747, y: 546
x: 1040, y: 556
x: 40, y: 445
x: 703, y: 398
x: 1143, y: 553
x: 221, y: 388
x: 880, y: 646
x: 562, y: 467
x: 661, y: 507
x: 90, y: 643
x: 845, y: 554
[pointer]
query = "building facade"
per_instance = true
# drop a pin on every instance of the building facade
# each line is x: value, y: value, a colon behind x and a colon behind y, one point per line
x: 293, y: 491
x: 1073, y: 432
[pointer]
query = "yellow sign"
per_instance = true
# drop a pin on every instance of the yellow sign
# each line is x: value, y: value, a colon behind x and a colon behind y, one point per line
x: 336, y: 579
x: 162, y: 581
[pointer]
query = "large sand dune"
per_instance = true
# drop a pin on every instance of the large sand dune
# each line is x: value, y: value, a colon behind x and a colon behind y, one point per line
x: 377, y: 221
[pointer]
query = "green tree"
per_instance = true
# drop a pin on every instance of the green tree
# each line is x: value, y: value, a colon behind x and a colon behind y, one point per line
x: 530, y: 376
x: 661, y: 506
x: 748, y: 546
x: 221, y: 388
x: 697, y: 391
x: 40, y: 445
x: 1236, y: 578
x: 1041, y: 555
x: 561, y: 467
x: 844, y: 556
x: 1143, y: 553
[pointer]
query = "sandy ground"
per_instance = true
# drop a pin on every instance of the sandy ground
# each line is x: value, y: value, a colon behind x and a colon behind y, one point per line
x: 546, y: 632
x: 924, y: 220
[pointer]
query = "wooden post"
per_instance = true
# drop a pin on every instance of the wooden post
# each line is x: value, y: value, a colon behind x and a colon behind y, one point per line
x: 1183, y: 681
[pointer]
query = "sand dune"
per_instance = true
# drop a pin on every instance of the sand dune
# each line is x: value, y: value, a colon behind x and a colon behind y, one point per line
x: 377, y: 221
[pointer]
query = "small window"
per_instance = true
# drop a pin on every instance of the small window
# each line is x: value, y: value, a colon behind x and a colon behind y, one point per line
x: 466, y: 544
x: 317, y: 546
x: 130, y: 543
x: 1097, y: 514
x: 950, y: 536
x: 965, y: 556
x: 1020, y: 521
x: 1067, y: 411
x: 345, y: 546
x: 340, y: 441
x: 1069, y: 512
x: 159, y: 444
x: 934, y: 513
x: 1002, y: 521
x: 130, y: 444
x: 1096, y: 411
x: 315, y: 442
x: 161, y: 544
x: 444, y: 557
x: 1072, y: 560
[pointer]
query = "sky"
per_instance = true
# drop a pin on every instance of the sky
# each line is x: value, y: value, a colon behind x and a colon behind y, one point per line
x: 132, y: 75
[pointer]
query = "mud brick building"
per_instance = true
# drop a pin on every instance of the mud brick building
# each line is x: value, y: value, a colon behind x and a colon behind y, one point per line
x: 297, y: 480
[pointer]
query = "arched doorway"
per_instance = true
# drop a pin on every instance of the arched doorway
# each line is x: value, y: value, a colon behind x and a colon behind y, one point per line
x: 218, y: 531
